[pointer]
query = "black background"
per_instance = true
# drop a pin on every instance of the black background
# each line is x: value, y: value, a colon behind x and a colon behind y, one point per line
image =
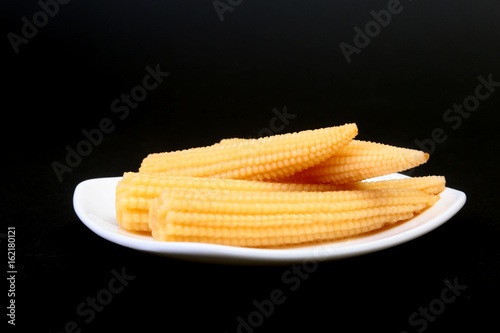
x: 225, y: 79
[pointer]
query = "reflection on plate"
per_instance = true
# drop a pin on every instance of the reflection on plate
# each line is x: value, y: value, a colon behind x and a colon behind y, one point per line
x: 94, y: 203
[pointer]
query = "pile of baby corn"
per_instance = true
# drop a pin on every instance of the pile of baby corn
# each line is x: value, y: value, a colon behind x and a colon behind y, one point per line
x: 274, y: 191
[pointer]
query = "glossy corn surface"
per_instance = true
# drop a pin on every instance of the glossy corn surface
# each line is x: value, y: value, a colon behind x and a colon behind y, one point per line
x: 270, y: 219
x: 136, y: 191
x: 428, y: 184
x: 361, y: 160
x: 266, y: 158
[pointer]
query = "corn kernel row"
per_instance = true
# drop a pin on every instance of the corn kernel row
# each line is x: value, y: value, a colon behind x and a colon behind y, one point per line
x: 277, y: 218
x: 266, y: 158
x: 361, y: 160
x: 136, y: 191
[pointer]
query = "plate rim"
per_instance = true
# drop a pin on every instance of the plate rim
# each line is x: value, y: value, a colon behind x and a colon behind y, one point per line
x: 216, y: 253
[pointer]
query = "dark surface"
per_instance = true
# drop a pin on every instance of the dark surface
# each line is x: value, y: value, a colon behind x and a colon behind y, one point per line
x: 225, y: 79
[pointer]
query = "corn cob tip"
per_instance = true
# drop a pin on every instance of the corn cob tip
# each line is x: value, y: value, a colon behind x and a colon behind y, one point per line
x: 417, y: 158
x: 425, y: 157
x: 360, y: 160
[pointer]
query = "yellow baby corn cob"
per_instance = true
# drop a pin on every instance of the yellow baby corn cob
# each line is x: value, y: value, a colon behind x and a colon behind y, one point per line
x: 266, y: 158
x: 136, y: 191
x: 428, y: 184
x: 229, y: 141
x: 278, y: 202
x: 361, y: 160
x: 313, y: 231
x: 267, y: 219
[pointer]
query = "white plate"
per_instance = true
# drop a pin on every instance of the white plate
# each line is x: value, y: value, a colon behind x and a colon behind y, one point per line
x: 94, y: 203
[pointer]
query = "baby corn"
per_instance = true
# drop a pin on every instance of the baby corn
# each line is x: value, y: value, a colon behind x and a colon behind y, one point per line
x: 361, y: 160
x: 269, y: 219
x: 280, y: 190
x: 136, y: 191
x: 266, y: 158
x: 428, y: 184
